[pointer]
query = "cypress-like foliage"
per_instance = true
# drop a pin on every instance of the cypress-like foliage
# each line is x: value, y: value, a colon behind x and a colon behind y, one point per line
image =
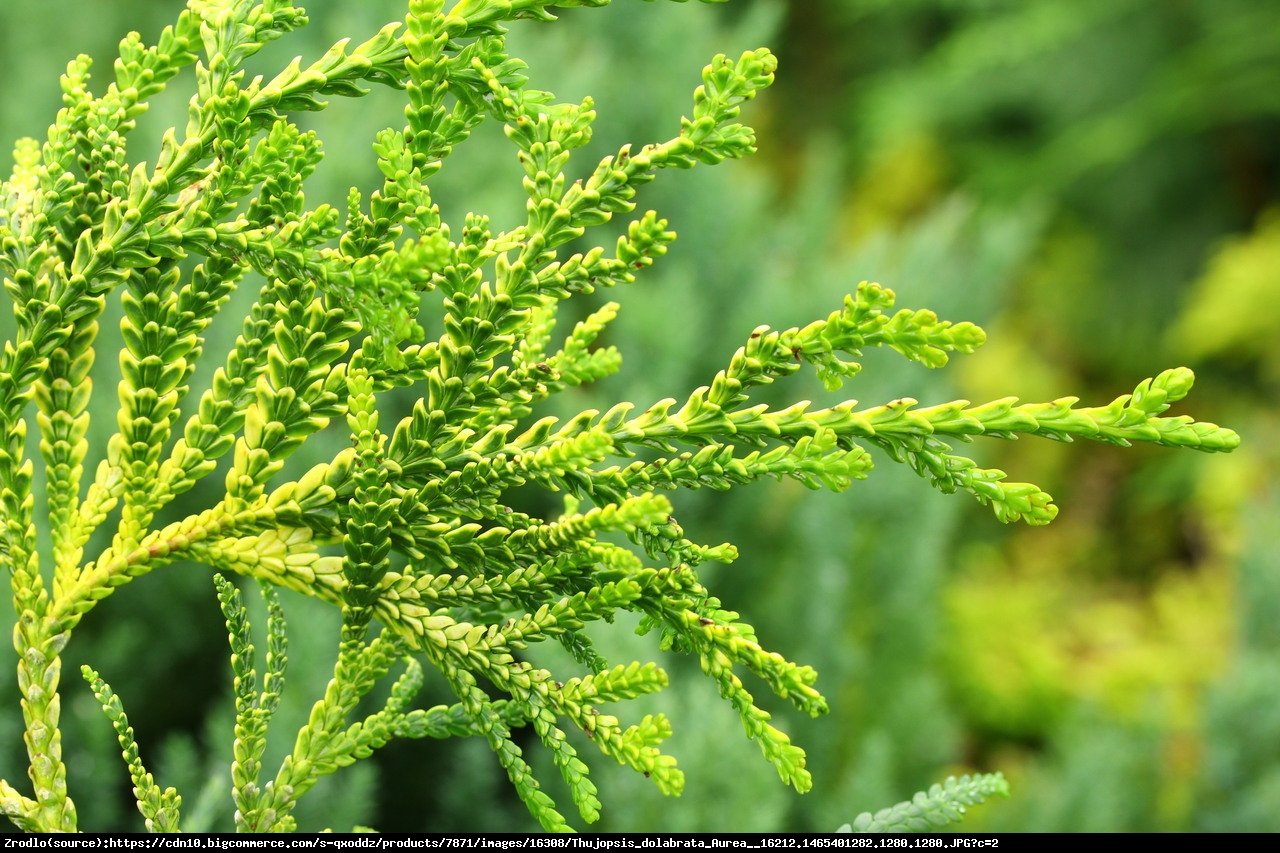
x: 411, y: 532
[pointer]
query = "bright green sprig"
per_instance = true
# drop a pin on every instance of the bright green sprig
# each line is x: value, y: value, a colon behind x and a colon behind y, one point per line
x: 433, y: 127
x: 497, y: 731
x: 234, y: 30
x: 572, y: 769
x: 575, y: 364
x: 62, y: 399
x: 367, y: 538
x: 327, y: 743
x: 152, y: 369
x: 864, y: 321
x: 298, y: 392
x: 254, y: 708
x: 637, y: 747
x: 210, y: 432
x: 441, y: 721
x: 160, y: 808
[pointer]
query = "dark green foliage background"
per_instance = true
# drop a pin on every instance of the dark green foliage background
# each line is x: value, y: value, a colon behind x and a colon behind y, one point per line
x: 1095, y: 182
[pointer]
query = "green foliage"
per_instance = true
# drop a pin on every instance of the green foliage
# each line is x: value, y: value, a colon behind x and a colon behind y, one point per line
x: 942, y: 804
x: 159, y: 808
x: 415, y: 535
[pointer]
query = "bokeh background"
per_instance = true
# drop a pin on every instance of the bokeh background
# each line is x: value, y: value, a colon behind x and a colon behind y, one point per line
x: 1096, y: 182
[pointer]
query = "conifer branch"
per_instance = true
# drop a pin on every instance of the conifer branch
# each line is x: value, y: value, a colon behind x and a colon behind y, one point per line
x: 413, y: 531
x: 939, y: 806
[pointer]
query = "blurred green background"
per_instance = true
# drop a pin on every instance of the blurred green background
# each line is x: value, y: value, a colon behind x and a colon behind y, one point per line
x: 1096, y: 182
